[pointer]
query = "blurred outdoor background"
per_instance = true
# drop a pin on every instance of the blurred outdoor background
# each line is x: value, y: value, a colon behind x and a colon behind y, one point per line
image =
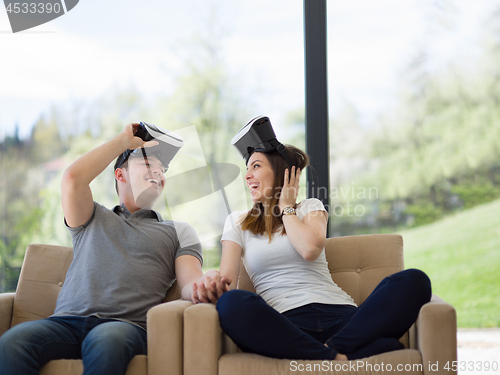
x: 414, y: 93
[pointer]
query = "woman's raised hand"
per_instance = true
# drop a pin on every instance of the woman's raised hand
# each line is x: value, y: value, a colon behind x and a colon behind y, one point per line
x: 290, y: 189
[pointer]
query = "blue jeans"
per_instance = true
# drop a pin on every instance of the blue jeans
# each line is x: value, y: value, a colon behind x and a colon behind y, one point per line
x: 106, y: 346
x: 372, y: 328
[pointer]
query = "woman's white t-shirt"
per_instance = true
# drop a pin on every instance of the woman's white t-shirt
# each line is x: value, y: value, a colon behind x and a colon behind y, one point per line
x: 278, y: 272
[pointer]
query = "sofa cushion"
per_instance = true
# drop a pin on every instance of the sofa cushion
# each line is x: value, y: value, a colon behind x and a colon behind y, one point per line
x: 137, y: 366
x: 408, y: 360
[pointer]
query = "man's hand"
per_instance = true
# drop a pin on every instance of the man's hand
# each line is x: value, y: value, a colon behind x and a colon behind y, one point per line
x: 210, y: 287
x: 134, y: 141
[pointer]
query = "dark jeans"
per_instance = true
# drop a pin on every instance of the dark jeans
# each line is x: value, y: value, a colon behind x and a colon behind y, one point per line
x: 372, y: 328
x: 105, y: 346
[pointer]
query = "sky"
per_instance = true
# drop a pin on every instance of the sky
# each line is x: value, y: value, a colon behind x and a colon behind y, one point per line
x: 99, y: 45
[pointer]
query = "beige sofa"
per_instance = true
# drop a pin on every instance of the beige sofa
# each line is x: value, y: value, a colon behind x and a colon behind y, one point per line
x: 42, y: 276
x: 357, y: 264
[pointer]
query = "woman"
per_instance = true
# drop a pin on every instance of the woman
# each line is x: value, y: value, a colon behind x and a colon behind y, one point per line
x: 298, y: 312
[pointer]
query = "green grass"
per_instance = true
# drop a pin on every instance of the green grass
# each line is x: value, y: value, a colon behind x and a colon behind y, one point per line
x: 461, y: 255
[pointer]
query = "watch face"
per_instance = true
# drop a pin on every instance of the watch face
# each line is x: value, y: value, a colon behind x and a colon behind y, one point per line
x: 289, y: 211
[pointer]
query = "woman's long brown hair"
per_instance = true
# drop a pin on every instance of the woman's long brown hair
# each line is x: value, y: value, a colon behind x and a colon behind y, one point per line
x: 257, y: 220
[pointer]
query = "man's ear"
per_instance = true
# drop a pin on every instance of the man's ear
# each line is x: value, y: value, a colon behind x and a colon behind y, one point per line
x: 120, y: 175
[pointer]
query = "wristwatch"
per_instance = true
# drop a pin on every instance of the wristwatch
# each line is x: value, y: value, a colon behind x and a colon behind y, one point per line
x: 288, y: 211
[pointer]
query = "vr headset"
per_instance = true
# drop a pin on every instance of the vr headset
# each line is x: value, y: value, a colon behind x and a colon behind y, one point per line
x: 258, y: 136
x: 168, y: 145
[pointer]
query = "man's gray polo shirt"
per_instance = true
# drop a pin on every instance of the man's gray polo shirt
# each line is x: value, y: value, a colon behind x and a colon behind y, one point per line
x: 123, y: 264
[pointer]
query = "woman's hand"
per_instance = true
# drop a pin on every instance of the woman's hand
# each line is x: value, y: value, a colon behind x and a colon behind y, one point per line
x: 308, y: 234
x: 210, y: 287
x: 290, y: 189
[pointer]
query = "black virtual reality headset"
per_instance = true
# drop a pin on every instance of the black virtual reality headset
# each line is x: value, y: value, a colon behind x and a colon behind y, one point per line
x: 168, y: 145
x: 258, y: 136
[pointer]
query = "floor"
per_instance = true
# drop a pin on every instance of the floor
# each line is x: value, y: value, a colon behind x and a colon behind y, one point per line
x: 478, y: 351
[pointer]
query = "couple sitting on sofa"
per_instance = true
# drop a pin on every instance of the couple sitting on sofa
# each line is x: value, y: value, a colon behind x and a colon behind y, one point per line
x: 125, y: 260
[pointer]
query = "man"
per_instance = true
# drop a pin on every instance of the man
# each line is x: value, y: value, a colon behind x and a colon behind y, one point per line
x: 125, y: 260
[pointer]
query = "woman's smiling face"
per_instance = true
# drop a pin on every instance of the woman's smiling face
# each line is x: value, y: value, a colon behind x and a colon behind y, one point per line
x: 260, y: 178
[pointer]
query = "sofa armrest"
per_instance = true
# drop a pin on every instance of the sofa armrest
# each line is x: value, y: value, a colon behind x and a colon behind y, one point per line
x: 436, y: 331
x: 165, y: 337
x: 202, y: 340
x: 6, y: 307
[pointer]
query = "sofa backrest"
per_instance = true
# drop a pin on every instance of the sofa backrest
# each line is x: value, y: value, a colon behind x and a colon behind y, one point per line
x: 43, y: 274
x: 357, y: 263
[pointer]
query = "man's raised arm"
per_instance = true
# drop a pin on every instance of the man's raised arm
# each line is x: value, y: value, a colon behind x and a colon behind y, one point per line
x: 76, y: 196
